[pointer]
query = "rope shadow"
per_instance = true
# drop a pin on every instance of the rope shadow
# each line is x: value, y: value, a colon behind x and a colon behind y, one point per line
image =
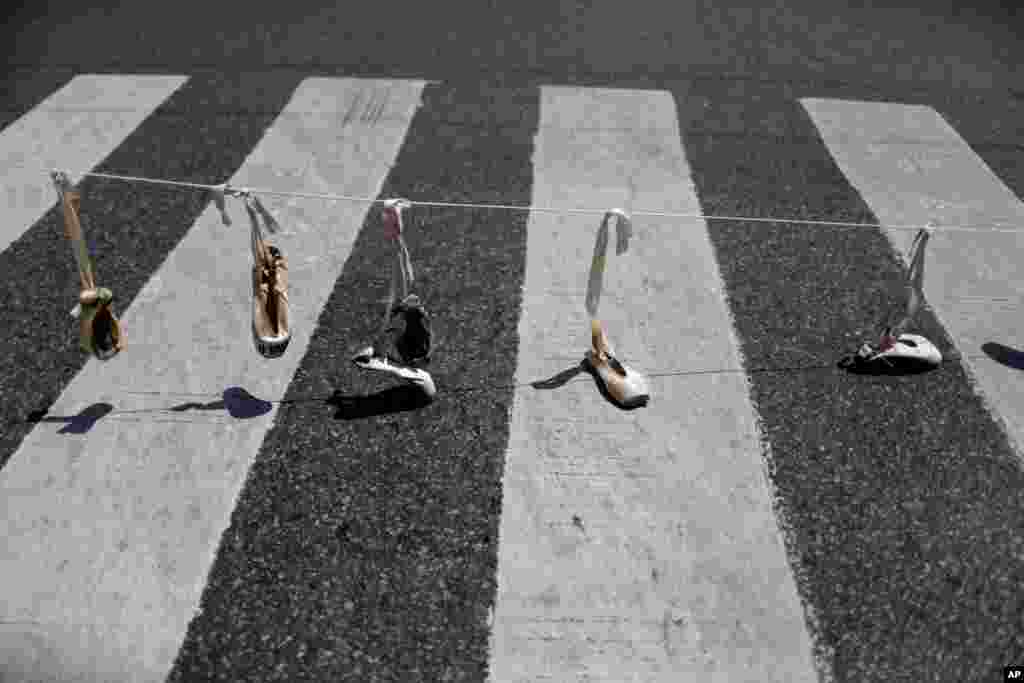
x: 240, y: 404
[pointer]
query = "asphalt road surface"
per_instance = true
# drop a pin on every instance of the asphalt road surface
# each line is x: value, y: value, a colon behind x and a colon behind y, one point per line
x: 189, y: 511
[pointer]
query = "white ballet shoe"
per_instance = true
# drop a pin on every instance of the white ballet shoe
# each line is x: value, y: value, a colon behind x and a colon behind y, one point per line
x: 367, y: 360
x: 908, y: 349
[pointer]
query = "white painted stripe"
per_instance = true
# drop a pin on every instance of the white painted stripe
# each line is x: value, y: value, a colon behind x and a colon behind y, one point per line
x: 676, y: 570
x: 911, y: 166
x: 108, y: 536
x: 74, y: 129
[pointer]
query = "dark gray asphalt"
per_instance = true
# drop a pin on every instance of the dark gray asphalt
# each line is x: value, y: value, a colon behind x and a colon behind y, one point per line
x: 919, y: 45
x: 363, y: 545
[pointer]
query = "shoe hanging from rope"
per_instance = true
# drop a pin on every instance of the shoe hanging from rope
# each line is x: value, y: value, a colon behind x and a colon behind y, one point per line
x: 627, y: 387
x: 411, y: 341
x: 100, y: 332
x: 896, y: 348
x: 270, y: 331
x: 270, y: 320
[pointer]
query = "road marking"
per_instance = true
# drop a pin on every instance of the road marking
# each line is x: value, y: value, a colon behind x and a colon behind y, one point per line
x: 642, y: 545
x: 109, y: 534
x: 74, y: 129
x: 911, y: 167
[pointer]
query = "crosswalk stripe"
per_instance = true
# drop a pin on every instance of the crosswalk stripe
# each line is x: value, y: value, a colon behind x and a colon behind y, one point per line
x: 111, y: 537
x: 634, y: 546
x: 74, y: 128
x: 912, y: 166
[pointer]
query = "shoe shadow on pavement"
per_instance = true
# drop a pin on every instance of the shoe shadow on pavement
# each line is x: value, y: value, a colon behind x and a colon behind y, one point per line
x: 76, y: 424
x: 881, y: 368
x: 1004, y: 355
x: 561, y: 379
x: 238, y: 402
x: 564, y: 376
x: 398, y: 399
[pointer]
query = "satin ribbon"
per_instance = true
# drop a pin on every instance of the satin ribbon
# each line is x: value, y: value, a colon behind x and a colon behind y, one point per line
x: 595, y: 283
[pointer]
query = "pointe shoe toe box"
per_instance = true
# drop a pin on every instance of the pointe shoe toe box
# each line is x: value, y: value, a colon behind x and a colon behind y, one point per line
x: 630, y: 390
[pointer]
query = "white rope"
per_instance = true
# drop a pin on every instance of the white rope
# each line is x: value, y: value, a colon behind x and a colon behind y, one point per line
x: 548, y: 209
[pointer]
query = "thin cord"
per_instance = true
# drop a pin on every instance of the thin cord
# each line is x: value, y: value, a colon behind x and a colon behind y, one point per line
x: 546, y: 209
x: 155, y: 181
